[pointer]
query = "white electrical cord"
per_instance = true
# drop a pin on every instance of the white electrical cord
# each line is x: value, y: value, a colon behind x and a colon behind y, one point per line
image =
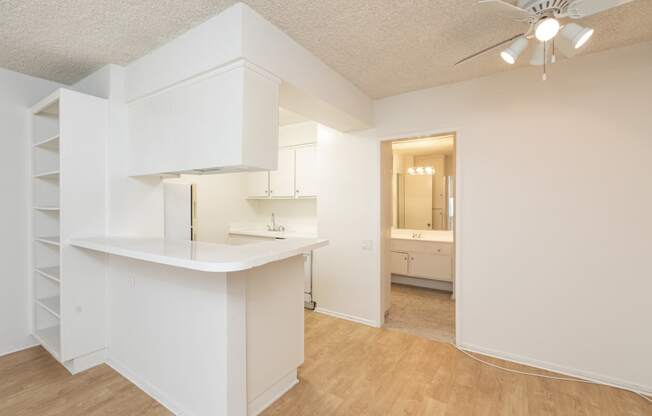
x: 544, y: 376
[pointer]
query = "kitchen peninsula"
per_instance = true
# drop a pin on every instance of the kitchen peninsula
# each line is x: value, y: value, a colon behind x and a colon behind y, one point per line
x: 206, y: 328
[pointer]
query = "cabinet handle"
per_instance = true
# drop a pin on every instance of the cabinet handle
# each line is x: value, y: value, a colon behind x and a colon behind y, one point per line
x: 297, y: 191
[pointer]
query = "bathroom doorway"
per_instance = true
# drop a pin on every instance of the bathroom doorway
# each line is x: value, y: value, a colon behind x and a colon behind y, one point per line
x: 418, y: 256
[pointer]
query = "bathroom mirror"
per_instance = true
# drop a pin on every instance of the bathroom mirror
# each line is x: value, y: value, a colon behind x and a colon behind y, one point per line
x: 424, y: 184
x: 417, y: 206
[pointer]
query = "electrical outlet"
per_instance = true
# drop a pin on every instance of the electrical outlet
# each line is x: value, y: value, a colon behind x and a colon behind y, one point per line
x: 367, y: 245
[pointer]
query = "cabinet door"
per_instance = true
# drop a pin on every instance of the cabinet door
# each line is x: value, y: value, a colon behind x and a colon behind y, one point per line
x: 431, y: 266
x: 306, y: 177
x: 258, y: 184
x: 399, y: 263
x: 281, y: 181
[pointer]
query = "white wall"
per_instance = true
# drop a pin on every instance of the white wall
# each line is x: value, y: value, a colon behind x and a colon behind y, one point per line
x: 298, y: 215
x: 19, y: 92
x: 346, y: 274
x: 135, y: 204
x: 554, y: 224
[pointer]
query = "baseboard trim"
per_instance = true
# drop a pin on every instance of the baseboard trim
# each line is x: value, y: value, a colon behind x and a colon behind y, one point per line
x: 347, y: 317
x: 83, y: 363
x: 17, y: 349
x: 425, y: 283
x: 149, y: 389
x: 571, y: 372
x: 272, y: 394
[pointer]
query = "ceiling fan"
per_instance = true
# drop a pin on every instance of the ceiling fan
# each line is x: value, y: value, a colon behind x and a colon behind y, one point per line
x: 548, y: 22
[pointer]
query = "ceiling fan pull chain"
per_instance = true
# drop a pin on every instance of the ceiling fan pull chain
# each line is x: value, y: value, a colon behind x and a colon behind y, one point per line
x: 545, y: 75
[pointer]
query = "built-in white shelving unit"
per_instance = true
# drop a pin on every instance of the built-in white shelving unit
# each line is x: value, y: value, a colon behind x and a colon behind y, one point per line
x: 49, y: 143
x: 51, y: 273
x: 54, y: 240
x: 68, y: 199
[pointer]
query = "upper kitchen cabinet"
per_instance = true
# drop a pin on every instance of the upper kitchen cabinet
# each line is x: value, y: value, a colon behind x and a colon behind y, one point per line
x: 295, y: 176
x: 258, y: 185
x: 306, y: 171
x: 281, y: 180
x: 223, y: 121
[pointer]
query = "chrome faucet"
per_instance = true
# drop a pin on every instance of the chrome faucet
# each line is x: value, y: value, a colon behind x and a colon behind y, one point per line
x: 274, y: 227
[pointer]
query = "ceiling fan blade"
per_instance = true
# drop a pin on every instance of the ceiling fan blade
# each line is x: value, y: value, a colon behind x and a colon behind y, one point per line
x: 505, y: 9
x: 489, y: 48
x: 582, y: 8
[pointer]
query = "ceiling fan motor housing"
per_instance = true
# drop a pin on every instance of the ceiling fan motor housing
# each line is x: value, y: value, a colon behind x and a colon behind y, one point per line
x: 540, y: 8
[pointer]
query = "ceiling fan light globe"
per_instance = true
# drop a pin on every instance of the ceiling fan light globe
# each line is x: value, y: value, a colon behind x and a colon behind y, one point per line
x: 511, y: 54
x: 538, y: 57
x: 577, y: 35
x: 546, y: 29
x: 583, y: 38
x: 507, y: 57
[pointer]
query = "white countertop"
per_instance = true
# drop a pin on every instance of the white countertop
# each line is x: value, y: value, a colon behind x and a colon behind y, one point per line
x: 257, y: 232
x: 196, y: 255
x: 438, y: 236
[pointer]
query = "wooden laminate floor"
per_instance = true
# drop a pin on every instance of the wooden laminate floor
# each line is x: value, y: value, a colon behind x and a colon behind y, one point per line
x: 350, y: 369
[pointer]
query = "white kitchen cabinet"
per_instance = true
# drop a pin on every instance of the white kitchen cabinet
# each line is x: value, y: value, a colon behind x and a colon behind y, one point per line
x: 295, y: 176
x: 306, y: 171
x: 281, y: 180
x: 258, y: 185
x: 399, y: 262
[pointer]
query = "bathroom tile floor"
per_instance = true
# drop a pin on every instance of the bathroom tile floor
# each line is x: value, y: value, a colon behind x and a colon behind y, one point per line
x: 422, y: 312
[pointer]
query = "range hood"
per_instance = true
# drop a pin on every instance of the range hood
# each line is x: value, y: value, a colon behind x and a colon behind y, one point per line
x: 223, y: 121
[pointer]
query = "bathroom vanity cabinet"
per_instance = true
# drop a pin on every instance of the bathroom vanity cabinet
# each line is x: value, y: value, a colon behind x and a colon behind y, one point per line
x: 423, y: 259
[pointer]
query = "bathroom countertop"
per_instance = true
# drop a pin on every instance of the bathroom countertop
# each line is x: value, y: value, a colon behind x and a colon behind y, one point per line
x: 196, y: 255
x: 426, y: 235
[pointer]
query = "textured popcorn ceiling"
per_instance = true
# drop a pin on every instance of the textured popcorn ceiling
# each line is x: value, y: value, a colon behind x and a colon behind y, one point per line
x: 385, y: 47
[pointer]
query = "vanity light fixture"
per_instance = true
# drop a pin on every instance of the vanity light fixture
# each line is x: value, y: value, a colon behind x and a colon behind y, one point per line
x: 421, y: 170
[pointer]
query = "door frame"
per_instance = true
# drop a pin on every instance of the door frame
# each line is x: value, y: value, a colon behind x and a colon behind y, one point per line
x: 384, y: 236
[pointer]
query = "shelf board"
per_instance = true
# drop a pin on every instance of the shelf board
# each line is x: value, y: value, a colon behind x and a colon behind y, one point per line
x: 51, y: 143
x: 51, y: 304
x: 46, y: 208
x: 50, y: 339
x: 48, y: 105
x: 48, y: 175
x: 51, y: 273
x: 54, y: 240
